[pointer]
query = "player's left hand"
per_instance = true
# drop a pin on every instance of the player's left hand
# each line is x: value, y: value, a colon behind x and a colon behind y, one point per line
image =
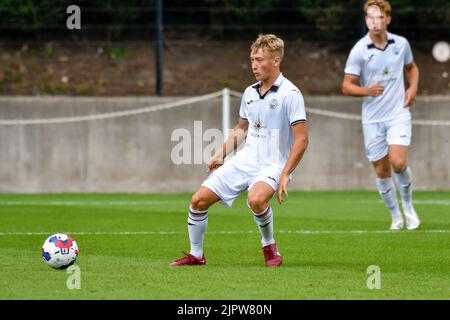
x: 282, y: 188
x: 410, y: 97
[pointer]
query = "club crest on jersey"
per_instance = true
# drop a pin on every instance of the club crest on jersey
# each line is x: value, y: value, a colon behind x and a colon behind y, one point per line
x: 273, y: 104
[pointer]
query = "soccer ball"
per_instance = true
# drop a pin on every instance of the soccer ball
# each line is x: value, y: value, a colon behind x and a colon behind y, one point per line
x: 59, y: 251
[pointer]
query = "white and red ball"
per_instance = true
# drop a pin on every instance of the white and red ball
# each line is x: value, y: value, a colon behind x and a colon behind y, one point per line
x: 59, y: 251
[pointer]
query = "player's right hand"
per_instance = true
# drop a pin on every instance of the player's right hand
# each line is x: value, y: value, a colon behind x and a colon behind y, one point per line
x: 376, y: 90
x: 215, y: 162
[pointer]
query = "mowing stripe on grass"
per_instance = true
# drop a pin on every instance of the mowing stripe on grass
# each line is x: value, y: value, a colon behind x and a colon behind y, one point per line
x: 303, y: 232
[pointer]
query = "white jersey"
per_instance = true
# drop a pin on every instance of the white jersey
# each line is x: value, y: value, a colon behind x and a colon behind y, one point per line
x: 270, y: 117
x: 386, y: 67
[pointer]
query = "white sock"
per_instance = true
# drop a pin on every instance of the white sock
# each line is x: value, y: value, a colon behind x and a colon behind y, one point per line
x: 264, y: 220
x: 197, y: 223
x: 387, y: 191
x: 404, y: 180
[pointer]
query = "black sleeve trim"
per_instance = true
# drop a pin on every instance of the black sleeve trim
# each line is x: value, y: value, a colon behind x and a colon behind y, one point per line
x: 244, y: 118
x: 297, y: 122
x: 353, y: 75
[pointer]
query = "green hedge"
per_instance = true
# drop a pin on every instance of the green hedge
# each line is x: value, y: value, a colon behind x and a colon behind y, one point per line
x: 307, y: 19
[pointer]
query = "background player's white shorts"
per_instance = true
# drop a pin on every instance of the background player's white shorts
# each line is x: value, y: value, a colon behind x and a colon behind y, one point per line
x: 379, y: 136
x: 236, y: 176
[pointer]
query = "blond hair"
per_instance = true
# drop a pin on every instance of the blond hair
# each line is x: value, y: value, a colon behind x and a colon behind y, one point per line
x: 384, y: 6
x: 271, y: 42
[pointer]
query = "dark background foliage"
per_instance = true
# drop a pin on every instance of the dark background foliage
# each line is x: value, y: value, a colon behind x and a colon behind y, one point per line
x: 306, y: 20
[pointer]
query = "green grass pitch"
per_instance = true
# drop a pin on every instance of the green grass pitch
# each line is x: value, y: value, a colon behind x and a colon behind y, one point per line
x: 327, y: 239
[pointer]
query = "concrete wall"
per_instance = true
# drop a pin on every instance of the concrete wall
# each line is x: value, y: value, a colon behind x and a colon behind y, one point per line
x: 133, y: 153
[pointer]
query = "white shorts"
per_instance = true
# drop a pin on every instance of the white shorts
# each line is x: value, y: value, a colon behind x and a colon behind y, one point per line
x: 236, y: 176
x: 379, y: 136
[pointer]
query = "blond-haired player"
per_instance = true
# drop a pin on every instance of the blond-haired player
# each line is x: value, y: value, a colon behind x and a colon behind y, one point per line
x: 273, y: 125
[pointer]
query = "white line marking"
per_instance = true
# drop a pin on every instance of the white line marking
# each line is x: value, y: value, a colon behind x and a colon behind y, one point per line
x: 144, y: 233
x: 442, y: 202
x: 445, y: 202
x: 89, y: 203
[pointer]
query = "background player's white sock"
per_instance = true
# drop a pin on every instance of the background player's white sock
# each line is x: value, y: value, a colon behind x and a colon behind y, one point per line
x: 404, y: 180
x: 387, y: 191
x: 197, y: 223
x: 264, y: 220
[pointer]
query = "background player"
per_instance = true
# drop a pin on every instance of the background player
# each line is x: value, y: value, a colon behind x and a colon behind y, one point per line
x: 375, y: 71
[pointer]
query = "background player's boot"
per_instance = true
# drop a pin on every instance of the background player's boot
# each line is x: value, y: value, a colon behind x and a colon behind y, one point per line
x: 412, y: 219
x: 188, y: 260
x: 271, y: 256
x: 397, y: 224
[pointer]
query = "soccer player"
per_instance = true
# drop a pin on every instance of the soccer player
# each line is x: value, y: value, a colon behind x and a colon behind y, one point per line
x: 273, y: 125
x: 375, y: 70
